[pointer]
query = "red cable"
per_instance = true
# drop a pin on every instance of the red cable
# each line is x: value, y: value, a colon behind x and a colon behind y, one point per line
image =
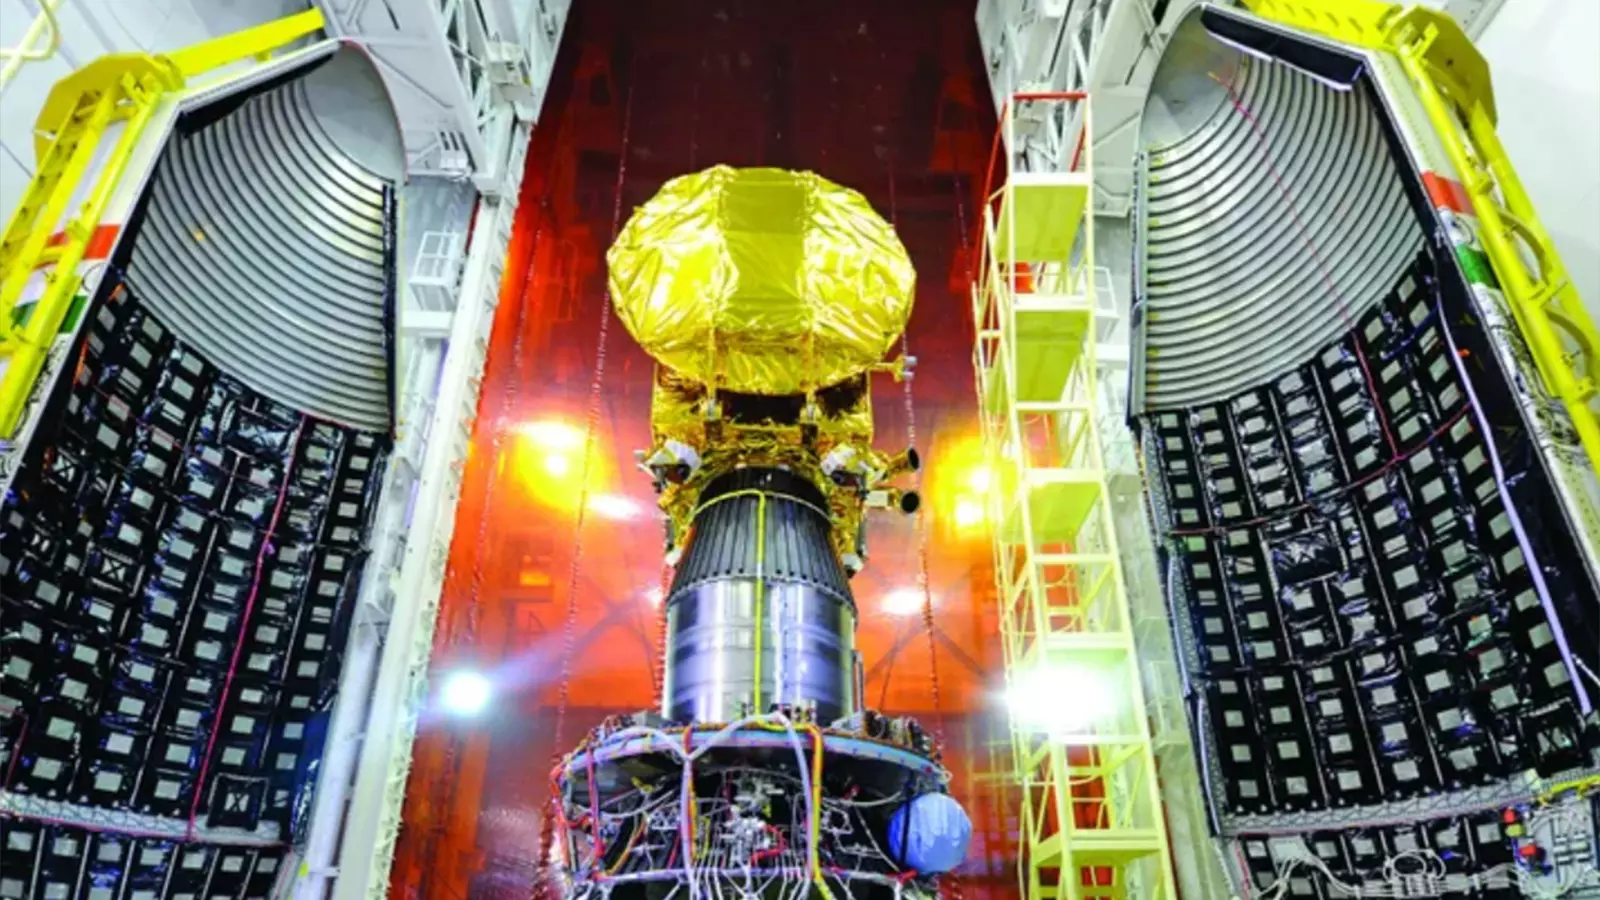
x: 1244, y: 870
x: 759, y: 855
x: 16, y: 750
x: 244, y: 627
x: 1321, y: 498
x: 1322, y: 267
x: 569, y: 629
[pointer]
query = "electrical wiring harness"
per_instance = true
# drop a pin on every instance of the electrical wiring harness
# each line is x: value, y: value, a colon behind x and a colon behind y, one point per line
x: 764, y: 806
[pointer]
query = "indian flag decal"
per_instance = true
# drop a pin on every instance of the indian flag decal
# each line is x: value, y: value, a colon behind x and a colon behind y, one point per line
x: 1454, y: 208
x: 100, y: 244
x: 24, y: 311
x: 98, y: 248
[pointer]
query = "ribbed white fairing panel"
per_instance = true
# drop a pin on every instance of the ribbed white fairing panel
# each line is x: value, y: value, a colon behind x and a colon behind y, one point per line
x: 1273, y: 217
x: 266, y: 245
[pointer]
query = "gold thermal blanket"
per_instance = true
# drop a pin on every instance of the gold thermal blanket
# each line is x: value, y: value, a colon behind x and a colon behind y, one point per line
x: 761, y: 281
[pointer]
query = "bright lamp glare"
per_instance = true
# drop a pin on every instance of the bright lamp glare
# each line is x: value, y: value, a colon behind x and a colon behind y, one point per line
x: 1062, y: 700
x: 653, y: 596
x: 466, y: 693
x: 980, y: 479
x: 557, y: 464
x: 903, y: 602
x: 552, y: 435
x: 969, y: 513
x: 614, y: 506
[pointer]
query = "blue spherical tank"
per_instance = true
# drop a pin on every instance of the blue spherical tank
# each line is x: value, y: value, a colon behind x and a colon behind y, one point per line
x: 930, y: 834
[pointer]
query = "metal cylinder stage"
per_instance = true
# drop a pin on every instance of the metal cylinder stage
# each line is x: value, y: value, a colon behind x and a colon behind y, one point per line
x: 759, y: 571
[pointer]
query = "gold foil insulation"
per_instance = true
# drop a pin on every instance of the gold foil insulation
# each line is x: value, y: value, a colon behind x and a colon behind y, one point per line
x: 761, y: 281
x: 767, y: 297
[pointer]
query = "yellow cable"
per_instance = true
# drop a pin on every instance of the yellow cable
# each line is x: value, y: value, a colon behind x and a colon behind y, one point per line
x: 632, y: 841
x: 1578, y: 786
x: 761, y: 559
x: 761, y: 584
x: 816, y: 809
x: 814, y: 826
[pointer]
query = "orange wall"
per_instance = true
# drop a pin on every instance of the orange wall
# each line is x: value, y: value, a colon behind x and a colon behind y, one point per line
x: 891, y: 100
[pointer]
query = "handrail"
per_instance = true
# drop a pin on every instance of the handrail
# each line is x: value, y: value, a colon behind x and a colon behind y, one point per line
x: 25, y: 51
x: 123, y: 87
x: 1451, y: 80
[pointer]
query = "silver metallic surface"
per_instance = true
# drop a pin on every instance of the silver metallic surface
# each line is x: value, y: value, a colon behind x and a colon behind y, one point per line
x: 266, y: 244
x: 807, y: 653
x: 1272, y: 216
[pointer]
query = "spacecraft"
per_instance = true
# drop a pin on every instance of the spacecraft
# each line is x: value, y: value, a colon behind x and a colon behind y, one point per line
x: 768, y: 299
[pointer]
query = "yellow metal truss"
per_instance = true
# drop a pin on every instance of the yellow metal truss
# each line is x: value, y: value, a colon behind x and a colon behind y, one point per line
x: 1451, y: 81
x: 1092, y: 826
x: 73, y: 144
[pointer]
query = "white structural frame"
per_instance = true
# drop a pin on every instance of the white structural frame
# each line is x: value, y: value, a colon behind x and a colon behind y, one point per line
x: 44, y: 25
x: 1474, y: 15
x: 468, y: 78
x: 360, y: 815
x: 462, y: 74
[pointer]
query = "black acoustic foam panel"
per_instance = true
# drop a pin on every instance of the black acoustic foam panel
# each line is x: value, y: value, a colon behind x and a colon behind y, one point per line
x: 1366, y: 626
x: 179, y: 557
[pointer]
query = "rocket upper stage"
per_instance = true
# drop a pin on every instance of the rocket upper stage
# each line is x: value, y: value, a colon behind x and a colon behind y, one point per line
x: 761, y: 281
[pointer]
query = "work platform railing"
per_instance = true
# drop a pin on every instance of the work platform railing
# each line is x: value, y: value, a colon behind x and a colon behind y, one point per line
x: 1092, y: 823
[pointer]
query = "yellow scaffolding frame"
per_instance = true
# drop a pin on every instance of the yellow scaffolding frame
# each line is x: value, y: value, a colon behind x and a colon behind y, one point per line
x: 1092, y: 825
x: 69, y: 138
x: 1451, y: 81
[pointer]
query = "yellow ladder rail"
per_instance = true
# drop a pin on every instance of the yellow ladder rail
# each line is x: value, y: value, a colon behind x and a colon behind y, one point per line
x: 73, y: 150
x: 1452, y: 84
x: 69, y: 133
